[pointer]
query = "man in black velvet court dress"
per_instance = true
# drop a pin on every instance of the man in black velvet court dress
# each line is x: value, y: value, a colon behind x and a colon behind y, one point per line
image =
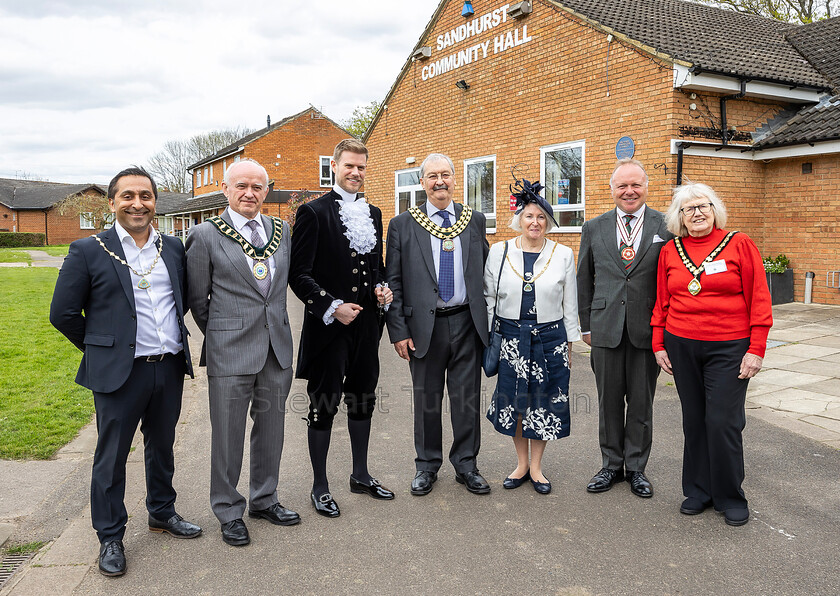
x: 337, y: 271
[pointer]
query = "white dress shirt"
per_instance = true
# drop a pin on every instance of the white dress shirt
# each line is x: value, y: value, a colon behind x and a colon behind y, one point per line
x: 460, y: 295
x: 240, y: 223
x: 158, y: 331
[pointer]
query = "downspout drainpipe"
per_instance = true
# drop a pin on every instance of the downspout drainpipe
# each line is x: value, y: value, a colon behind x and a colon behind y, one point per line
x: 680, y: 147
x: 46, y: 229
x: 724, y: 132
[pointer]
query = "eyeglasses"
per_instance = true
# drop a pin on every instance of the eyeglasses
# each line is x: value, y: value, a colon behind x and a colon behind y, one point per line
x: 436, y: 177
x: 705, y: 208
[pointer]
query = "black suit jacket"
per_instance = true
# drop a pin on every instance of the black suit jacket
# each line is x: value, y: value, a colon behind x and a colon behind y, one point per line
x: 93, y: 306
x: 324, y: 268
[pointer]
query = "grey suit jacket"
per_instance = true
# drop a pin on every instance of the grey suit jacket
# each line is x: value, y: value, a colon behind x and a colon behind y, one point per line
x: 609, y: 296
x: 410, y: 270
x: 238, y: 323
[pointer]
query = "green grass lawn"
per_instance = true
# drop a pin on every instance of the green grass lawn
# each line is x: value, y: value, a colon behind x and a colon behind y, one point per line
x: 41, y: 407
x: 18, y: 255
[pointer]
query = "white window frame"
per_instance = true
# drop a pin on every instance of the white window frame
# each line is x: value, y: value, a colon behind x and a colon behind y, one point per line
x: 478, y: 160
x: 413, y: 188
x: 206, y: 176
x: 86, y: 221
x: 211, y: 173
x: 326, y: 183
x: 166, y: 224
x: 575, y: 206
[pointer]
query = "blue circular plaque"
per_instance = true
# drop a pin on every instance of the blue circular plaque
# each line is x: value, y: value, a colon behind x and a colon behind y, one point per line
x: 624, y: 148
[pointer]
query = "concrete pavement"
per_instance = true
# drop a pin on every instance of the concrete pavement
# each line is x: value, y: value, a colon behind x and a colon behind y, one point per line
x: 452, y: 542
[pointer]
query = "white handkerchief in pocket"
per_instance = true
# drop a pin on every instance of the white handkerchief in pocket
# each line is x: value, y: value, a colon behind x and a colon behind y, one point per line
x: 656, y: 238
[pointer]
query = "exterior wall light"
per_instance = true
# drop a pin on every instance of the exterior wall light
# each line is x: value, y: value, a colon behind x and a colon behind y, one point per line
x: 467, y: 11
x: 462, y: 84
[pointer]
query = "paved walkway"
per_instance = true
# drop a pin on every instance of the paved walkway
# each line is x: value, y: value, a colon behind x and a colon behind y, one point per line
x: 451, y: 542
x: 40, y: 258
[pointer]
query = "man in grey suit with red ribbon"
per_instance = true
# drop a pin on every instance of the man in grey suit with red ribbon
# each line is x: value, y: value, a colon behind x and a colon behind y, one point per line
x: 237, y: 266
x: 438, y: 321
x: 616, y: 279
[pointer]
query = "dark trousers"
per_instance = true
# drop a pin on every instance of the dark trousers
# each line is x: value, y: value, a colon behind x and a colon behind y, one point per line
x: 349, y: 366
x: 712, y: 398
x: 454, y: 358
x: 150, y: 397
x: 626, y: 380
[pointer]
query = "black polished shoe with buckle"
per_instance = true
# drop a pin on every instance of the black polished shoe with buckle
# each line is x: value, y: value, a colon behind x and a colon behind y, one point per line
x: 474, y: 482
x: 276, y: 514
x: 604, y: 480
x: 235, y: 533
x: 639, y: 484
x: 325, y: 505
x: 175, y: 525
x: 422, y: 483
x: 372, y: 488
x: 112, y: 558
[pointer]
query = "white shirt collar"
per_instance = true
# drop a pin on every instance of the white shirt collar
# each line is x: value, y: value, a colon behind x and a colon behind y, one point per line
x: 432, y: 210
x: 123, y: 234
x: 638, y: 213
x: 239, y: 221
x: 345, y: 196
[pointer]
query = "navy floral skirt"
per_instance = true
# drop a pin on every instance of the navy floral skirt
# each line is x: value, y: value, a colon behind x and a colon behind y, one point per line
x: 533, y: 381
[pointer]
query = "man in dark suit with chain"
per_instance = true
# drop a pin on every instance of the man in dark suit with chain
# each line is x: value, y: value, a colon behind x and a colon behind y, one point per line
x: 616, y: 278
x: 438, y: 321
x: 337, y: 272
x: 120, y: 298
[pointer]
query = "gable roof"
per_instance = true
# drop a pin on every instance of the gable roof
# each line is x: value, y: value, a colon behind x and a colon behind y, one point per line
x: 24, y: 195
x: 238, y: 144
x: 819, y: 43
x: 820, y: 122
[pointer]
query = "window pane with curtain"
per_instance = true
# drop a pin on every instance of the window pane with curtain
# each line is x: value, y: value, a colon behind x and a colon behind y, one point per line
x: 481, y: 188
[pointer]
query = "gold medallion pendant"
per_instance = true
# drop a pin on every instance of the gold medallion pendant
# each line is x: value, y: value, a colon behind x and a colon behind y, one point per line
x: 628, y: 254
x: 449, y: 245
x: 144, y: 284
x: 694, y: 287
x: 528, y: 287
x: 260, y: 270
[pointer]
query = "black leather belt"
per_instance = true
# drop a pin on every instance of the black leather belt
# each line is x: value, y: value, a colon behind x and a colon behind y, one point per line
x: 154, y: 357
x: 447, y: 311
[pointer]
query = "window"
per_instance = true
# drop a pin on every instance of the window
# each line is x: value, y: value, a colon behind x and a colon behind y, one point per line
x: 206, y: 175
x: 197, y: 178
x: 480, y: 187
x: 86, y: 221
x: 166, y: 225
x: 327, y: 175
x: 211, y: 173
x: 562, y: 172
x: 409, y: 192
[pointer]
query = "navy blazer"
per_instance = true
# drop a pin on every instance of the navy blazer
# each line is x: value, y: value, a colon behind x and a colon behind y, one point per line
x: 93, y: 306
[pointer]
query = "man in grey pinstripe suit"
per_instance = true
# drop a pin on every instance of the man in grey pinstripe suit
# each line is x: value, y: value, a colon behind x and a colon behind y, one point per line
x: 237, y: 272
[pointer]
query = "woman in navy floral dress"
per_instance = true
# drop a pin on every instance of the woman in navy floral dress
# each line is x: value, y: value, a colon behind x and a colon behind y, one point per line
x: 536, y: 306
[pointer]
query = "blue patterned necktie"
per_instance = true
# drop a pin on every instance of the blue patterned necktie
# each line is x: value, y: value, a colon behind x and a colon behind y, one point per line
x: 264, y: 283
x: 446, y: 273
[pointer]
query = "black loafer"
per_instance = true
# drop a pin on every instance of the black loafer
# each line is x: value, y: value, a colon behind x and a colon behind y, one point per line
x: 175, y: 525
x: 373, y: 488
x: 276, y: 514
x: 325, y: 505
x: 542, y: 487
x: 736, y: 517
x: 112, y: 558
x: 639, y: 484
x: 604, y: 480
x: 474, y: 482
x: 422, y: 483
x: 516, y: 482
x: 235, y: 533
x: 692, y: 506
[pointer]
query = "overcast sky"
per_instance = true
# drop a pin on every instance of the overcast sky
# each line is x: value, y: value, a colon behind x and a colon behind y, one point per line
x: 88, y: 87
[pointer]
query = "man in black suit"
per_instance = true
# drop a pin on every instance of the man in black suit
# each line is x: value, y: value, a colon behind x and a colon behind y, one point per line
x: 438, y: 321
x: 337, y: 272
x: 120, y: 299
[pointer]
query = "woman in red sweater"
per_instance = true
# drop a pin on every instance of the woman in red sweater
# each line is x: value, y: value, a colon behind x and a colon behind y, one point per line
x: 710, y: 324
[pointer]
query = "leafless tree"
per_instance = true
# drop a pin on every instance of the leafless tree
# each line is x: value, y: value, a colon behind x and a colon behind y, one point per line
x: 791, y: 11
x: 92, y: 205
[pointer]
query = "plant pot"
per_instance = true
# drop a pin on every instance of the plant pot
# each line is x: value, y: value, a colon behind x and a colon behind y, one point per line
x: 781, y: 286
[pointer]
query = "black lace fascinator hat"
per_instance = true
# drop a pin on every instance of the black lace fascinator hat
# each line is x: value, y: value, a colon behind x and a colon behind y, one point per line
x: 526, y: 193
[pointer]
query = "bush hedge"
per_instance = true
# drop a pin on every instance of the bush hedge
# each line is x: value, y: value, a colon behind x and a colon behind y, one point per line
x: 19, y: 239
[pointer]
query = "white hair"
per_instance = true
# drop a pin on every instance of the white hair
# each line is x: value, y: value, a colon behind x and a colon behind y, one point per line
x: 246, y: 160
x: 690, y: 192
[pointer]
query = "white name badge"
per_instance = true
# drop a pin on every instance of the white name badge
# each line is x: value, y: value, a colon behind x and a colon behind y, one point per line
x: 718, y: 266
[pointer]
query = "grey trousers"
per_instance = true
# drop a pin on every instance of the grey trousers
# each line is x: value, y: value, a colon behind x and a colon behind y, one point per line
x: 626, y: 380
x: 454, y: 358
x: 231, y: 398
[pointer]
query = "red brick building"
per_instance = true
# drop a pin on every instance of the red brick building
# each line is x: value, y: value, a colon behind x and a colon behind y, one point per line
x: 556, y: 90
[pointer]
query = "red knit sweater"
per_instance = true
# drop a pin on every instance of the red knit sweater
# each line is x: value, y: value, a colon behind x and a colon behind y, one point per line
x: 732, y: 304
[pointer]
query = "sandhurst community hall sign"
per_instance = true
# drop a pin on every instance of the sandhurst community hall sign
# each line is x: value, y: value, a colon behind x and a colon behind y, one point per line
x: 491, y: 21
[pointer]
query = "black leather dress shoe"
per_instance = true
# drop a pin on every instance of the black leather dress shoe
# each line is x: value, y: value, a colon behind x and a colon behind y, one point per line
x: 175, y: 525
x: 474, y: 482
x: 112, y: 558
x: 373, y: 488
x: 276, y: 514
x: 736, y: 517
x: 235, y: 533
x: 542, y: 487
x: 639, y: 484
x: 692, y: 506
x: 422, y: 483
x: 516, y: 482
x: 604, y: 480
x: 325, y: 505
